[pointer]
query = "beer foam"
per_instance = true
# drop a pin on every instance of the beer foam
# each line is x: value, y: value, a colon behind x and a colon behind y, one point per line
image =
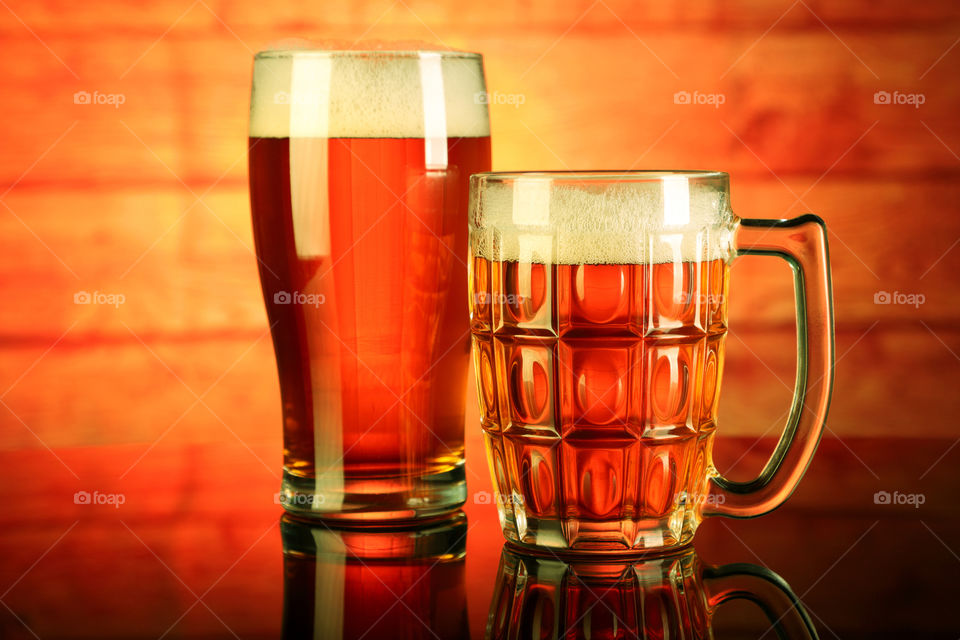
x: 666, y: 217
x: 376, y: 93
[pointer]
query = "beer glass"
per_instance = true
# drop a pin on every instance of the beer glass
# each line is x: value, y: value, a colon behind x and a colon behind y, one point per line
x: 665, y: 597
x: 359, y: 167
x: 598, y: 310
x: 375, y: 583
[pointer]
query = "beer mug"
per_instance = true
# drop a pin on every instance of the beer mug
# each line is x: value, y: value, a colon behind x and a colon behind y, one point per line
x: 375, y: 582
x: 359, y: 168
x: 666, y: 597
x: 598, y: 310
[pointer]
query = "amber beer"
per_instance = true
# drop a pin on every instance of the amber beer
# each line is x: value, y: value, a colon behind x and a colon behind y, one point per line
x: 359, y: 167
x: 598, y: 355
x: 550, y: 597
x: 603, y: 424
x: 375, y: 583
x: 599, y: 315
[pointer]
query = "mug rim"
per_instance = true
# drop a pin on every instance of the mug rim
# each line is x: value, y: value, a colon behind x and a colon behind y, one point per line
x: 629, y: 175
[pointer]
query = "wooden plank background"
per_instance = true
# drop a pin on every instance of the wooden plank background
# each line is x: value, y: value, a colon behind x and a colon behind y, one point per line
x: 148, y: 199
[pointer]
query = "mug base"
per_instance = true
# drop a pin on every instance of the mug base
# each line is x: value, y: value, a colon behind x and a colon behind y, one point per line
x: 572, y: 536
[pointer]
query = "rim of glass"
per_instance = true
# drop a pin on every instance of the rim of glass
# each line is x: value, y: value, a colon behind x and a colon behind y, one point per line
x: 363, y: 53
x: 632, y: 175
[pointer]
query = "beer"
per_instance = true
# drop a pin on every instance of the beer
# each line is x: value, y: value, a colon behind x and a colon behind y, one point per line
x: 359, y: 164
x: 673, y: 596
x: 549, y: 598
x: 598, y: 340
x: 372, y: 583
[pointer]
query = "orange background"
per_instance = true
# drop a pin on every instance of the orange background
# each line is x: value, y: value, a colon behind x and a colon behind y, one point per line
x: 149, y: 199
x: 176, y: 387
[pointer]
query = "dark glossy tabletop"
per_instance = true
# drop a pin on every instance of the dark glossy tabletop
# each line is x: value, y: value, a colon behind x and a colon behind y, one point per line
x: 195, y: 550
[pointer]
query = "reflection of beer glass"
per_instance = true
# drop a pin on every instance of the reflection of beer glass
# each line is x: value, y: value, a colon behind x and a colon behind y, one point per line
x: 666, y: 597
x: 598, y: 310
x: 359, y: 164
x: 372, y: 583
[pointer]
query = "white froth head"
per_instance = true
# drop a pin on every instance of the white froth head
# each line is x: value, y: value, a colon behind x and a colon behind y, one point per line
x: 376, y: 93
x: 634, y: 217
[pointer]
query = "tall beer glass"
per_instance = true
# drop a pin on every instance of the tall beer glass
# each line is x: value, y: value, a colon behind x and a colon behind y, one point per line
x: 599, y: 313
x: 359, y: 167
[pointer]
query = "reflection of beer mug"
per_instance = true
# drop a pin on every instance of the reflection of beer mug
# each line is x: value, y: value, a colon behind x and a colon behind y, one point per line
x: 359, y: 166
x: 665, y: 597
x: 599, y: 313
x: 401, y: 582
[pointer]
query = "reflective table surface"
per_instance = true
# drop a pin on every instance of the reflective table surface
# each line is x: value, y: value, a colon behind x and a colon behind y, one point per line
x: 190, y: 543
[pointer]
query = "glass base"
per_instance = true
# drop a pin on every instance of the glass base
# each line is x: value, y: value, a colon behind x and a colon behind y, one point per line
x: 572, y: 535
x: 438, y: 539
x: 376, y: 499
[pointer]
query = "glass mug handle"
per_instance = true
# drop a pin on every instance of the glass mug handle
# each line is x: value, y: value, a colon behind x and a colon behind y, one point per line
x: 764, y: 588
x: 802, y: 242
